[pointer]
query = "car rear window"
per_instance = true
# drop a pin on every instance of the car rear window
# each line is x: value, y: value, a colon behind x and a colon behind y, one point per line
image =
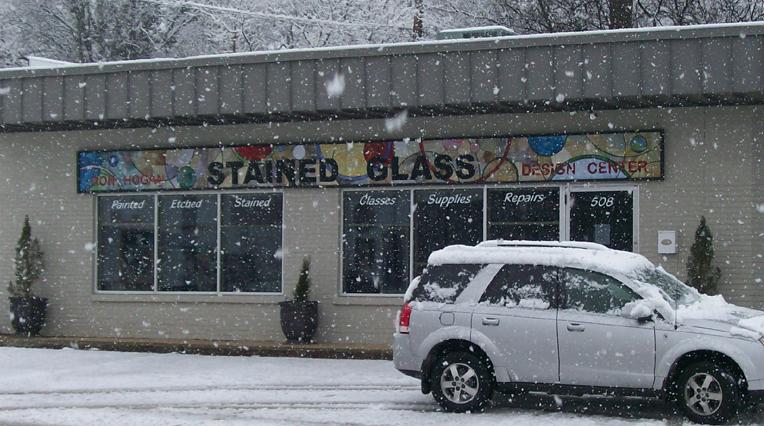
x: 444, y: 283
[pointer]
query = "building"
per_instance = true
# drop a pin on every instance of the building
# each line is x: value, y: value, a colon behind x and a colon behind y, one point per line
x: 177, y: 198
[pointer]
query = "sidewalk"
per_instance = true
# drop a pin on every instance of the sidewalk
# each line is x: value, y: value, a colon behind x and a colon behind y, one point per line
x: 205, y: 347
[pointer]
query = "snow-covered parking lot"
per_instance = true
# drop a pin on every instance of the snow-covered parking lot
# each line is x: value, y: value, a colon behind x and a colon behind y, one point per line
x: 73, y: 387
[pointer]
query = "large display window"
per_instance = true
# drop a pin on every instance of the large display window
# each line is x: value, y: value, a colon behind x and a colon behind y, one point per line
x: 250, y: 242
x: 445, y: 217
x: 187, y: 252
x: 602, y: 216
x: 524, y: 214
x: 228, y: 243
x: 375, y: 241
x: 126, y: 243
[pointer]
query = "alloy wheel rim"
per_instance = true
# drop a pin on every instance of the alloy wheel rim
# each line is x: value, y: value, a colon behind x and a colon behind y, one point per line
x: 459, y: 383
x: 703, y: 394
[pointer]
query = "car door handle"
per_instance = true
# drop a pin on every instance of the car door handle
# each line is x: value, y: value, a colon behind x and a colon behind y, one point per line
x: 490, y: 321
x: 576, y: 327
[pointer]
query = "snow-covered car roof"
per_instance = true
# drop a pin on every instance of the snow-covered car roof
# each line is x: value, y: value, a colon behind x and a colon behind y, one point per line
x: 588, y: 256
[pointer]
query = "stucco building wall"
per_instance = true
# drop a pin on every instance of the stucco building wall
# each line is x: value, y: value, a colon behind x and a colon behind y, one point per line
x: 713, y: 162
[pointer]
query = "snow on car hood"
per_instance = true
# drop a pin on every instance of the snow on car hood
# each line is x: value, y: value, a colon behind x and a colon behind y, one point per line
x: 715, y: 313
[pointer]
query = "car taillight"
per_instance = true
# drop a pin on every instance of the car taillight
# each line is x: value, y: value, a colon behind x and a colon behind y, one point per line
x: 404, y: 318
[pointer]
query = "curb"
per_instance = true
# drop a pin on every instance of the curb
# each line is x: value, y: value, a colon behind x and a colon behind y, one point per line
x: 205, y: 347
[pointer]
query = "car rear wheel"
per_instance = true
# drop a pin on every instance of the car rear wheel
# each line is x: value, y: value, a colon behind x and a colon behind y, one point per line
x: 709, y: 393
x: 461, y: 382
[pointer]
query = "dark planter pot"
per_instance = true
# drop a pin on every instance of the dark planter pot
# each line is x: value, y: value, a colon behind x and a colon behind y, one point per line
x: 28, y: 314
x: 299, y: 320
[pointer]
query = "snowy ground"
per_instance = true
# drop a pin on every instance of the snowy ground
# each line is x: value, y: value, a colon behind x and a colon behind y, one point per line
x: 72, y: 387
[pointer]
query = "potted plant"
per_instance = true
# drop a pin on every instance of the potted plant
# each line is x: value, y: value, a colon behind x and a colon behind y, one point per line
x: 299, y: 316
x: 27, y: 310
x: 702, y: 273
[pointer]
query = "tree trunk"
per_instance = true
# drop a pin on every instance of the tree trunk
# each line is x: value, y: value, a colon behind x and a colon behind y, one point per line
x: 418, y: 16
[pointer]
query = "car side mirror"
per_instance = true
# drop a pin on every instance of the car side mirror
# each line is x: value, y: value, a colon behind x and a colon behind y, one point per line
x: 640, y: 311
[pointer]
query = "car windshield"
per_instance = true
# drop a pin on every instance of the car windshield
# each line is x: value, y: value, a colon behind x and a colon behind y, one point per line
x: 675, y: 291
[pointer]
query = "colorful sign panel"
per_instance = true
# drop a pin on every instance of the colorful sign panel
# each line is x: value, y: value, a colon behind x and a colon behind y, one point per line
x: 573, y: 157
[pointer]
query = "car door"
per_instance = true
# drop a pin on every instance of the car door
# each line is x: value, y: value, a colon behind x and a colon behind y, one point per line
x: 517, y: 313
x: 598, y: 346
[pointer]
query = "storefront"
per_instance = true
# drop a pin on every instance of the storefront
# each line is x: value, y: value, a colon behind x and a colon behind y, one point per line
x: 162, y: 220
x: 196, y: 232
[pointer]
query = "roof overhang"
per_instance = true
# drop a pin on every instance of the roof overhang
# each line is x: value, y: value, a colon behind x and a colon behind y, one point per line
x: 634, y: 68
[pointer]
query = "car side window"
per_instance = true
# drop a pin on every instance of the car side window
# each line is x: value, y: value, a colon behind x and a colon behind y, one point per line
x: 444, y: 283
x: 523, y: 286
x: 589, y: 291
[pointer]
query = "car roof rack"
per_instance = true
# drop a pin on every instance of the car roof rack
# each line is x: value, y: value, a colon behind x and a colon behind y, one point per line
x: 556, y: 244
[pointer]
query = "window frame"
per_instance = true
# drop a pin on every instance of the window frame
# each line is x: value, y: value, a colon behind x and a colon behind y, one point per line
x: 155, y: 287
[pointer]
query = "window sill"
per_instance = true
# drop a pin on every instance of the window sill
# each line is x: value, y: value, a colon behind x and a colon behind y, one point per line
x: 189, y: 298
x: 375, y: 300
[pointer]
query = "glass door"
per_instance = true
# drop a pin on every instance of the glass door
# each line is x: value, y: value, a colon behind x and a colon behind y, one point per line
x: 604, y: 216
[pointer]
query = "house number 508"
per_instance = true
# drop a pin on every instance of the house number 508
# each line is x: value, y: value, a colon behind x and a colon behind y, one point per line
x: 602, y: 202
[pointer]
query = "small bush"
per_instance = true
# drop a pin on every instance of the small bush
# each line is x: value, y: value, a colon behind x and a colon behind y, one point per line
x: 702, y: 274
x: 28, y: 263
x: 302, y: 289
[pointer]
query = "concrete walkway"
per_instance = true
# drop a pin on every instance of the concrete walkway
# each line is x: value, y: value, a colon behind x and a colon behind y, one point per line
x: 205, y: 347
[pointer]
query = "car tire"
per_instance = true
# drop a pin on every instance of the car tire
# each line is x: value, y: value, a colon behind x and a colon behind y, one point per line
x: 461, y: 382
x: 709, y: 393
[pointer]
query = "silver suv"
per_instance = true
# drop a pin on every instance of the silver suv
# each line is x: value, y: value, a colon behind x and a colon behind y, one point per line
x: 577, y: 319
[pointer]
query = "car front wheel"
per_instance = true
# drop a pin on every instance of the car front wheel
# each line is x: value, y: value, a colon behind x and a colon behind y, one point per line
x: 461, y: 382
x: 709, y: 393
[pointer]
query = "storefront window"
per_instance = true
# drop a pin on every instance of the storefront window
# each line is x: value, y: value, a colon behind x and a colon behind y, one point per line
x: 603, y: 217
x: 187, y: 258
x: 445, y: 217
x: 250, y: 242
x: 126, y: 243
x: 524, y: 214
x: 376, y: 241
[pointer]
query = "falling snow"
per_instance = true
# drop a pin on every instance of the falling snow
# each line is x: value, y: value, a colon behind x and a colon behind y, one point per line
x: 335, y: 86
x: 396, y: 122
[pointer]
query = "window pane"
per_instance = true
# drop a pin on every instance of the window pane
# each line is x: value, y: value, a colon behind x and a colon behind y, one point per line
x: 187, y: 243
x: 250, y: 241
x: 444, y: 283
x: 126, y: 243
x: 594, y: 292
x: 524, y: 214
x: 375, y: 241
x: 604, y: 217
x: 446, y: 217
x: 523, y: 286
